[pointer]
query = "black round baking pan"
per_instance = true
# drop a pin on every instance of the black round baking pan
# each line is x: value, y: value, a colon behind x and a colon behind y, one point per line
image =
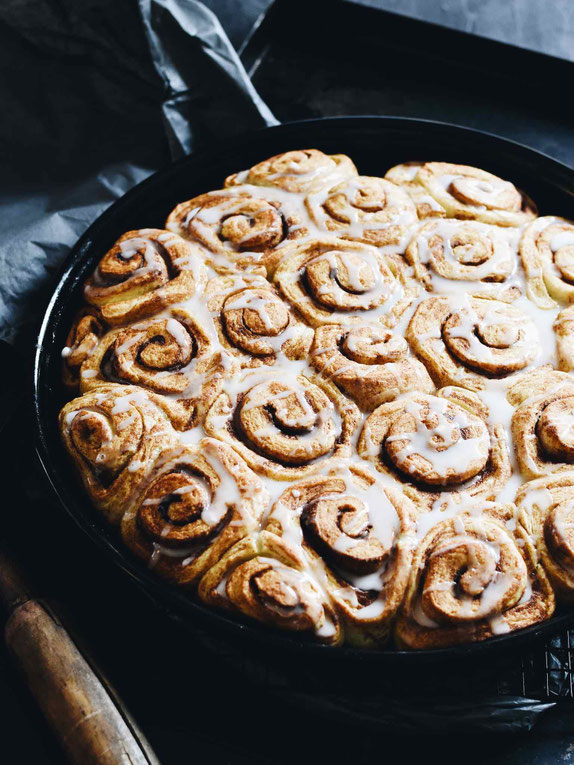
x: 375, y: 144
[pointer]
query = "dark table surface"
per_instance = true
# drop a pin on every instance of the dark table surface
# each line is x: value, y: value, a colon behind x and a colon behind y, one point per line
x: 192, y: 706
x: 542, y: 25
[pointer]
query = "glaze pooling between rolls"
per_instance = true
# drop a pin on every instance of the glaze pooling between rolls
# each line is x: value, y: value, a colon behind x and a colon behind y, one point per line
x: 337, y: 404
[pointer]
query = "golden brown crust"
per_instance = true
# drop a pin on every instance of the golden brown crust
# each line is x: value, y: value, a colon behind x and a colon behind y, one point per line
x: 468, y: 344
x: 113, y: 435
x: 194, y: 504
x: 334, y: 281
x: 365, y: 209
x: 237, y: 228
x: 144, y: 272
x: 437, y: 446
x: 357, y: 535
x: 266, y: 579
x: 368, y: 362
x: 547, y: 252
x: 474, y: 253
x: 172, y: 355
x: 473, y: 194
x: 542, y: 423
x: 253, y: 323
x: 81, y: 342
x: 297, y: 171
x: 283, y: 427
x: 501, y: 589
x: 405, y: 175
x: 564, y: 331
x: 547, y: 512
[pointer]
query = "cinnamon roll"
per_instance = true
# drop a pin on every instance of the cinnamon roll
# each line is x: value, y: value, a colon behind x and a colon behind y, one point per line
x: 437, y: 446
x: 254, y: 324
x: 547, y: 252
x: 564, y: 332
x: 333, y: 281
x: 173, y: 355
x: 365, y: 209
x: 547, y: 506
x: 368, y: 362
x: 113, y: 435
x: 298, y: 172
x: 462, y: 251
x: 471, y: 579
x: 470, y: 193
x: 194, y: 503
x: 144, y: 272
x: 543, y: 423
x: 239, y: 229
x: 283, y: 426
x: 469, y: 343
x: 81, y: 342
x: 265, y: 579
x: 405, y: 175
x: 357, y: 535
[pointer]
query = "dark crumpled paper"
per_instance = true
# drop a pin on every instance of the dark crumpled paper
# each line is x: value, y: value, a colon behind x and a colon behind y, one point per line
x: 97, y: 95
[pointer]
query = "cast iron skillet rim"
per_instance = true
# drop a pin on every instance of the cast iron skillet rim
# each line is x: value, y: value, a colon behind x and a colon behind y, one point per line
x: 172, y: 600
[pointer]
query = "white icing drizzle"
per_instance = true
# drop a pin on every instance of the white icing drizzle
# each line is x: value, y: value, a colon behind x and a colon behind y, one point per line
x: 382, y: 515
x: 454, y: 449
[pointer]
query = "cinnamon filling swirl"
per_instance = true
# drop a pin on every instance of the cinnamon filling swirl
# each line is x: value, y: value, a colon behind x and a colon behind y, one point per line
x: 261, y: 413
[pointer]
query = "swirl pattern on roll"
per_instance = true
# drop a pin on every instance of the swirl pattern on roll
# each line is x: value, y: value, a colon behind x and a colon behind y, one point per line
x: 297, y: 171
x: 473, y: 194
x: 357, y: 535
x: 462, y: 251
x: 368, y: 362
x: 543, y: 423
x: 194, y: 504
x: 171, y: 355
x: 405, y: 175
x: 144, y: 272
x: 254, y: 324
x: 365, y: 209
x: 267, y: 580
x: 238, y: 228
x: 547, y: 507
x: 283, y: 427
x: 333, y: 281
x: 437, y: 445
x: 547, y: 252
x: 469, y: 343
x: 82, y: 340
x: 113, y: 435
x: 472, y: 579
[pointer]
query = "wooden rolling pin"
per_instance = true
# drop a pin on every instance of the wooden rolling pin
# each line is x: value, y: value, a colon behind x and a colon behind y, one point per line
x: 87, y: 718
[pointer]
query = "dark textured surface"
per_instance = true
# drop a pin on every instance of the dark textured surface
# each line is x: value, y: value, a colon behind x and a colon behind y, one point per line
x: 393, y: 65
x: 193, y: 707
x: 542, y: 25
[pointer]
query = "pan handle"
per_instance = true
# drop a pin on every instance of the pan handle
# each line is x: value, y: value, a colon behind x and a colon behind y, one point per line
x: 88, y: 720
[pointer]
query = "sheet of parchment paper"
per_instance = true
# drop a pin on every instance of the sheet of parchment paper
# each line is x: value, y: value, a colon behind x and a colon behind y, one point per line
x: 96, y: 96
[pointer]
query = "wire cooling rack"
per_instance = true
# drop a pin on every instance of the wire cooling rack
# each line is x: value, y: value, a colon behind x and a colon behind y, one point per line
x: 545, y: 673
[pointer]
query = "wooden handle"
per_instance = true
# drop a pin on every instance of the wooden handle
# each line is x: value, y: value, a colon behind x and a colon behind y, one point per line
x: 91, y: 728
x: 89, y: 722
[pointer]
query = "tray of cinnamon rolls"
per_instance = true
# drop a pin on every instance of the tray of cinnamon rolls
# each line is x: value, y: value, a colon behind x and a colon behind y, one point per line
x: 328, y: 398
